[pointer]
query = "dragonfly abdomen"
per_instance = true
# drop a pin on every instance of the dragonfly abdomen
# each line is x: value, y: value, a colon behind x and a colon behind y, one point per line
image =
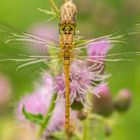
x: 67, y: 93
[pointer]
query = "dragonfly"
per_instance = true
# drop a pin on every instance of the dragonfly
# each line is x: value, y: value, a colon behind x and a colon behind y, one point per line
x: 70, y: 47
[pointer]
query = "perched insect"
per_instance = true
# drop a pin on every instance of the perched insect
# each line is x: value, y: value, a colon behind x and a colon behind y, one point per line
x: 64, y: 51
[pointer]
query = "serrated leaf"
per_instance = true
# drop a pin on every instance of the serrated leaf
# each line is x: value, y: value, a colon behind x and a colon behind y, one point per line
x: 36, y: 118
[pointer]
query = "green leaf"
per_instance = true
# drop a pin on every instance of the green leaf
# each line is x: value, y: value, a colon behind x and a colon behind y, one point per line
x: 36, y: 118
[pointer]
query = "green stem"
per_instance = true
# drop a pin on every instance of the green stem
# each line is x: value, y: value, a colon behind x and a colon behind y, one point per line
x: 56, y: 10
x: 48, y: 116
x: 85, y: 130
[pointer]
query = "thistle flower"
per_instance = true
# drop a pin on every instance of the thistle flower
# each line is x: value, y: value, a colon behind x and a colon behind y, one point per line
x: 84, y: 75
x: 98, y: 49
x: 34, y: 103
x: 79, y: 82
x: 38, y: 103
x: 96, y: 53
x: 104, y: 104
x: 122, y: 100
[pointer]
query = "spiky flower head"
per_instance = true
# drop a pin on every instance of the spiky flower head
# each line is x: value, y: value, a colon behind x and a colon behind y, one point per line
x: 79, y: 82
x: 99, y: 49
x: 84, y: 77
x: 38, y: 103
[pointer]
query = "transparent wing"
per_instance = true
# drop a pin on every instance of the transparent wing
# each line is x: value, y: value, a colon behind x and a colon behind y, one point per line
x: 111, y: 51
x: 13, y: 36
x: 26, y: 65
x: 25, y: 53
x: 113, y: 38
x: 102, y: 69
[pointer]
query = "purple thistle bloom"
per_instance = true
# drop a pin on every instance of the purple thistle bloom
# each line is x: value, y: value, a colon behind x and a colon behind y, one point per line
x: 96, y: 53
x: 34, y: 103
x: 103, y: 89
x: 98, y: 49
x: 83, y: 79
x: 38, y: 103
x: 85, y: 75
x: 80, y: 79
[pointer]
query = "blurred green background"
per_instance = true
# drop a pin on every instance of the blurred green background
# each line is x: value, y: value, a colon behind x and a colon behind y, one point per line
x: 95, y: 18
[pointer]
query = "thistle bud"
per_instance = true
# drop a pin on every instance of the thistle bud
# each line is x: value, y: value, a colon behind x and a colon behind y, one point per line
x: 122, y: 100
x: 82, y: 115
x: 103, y: 104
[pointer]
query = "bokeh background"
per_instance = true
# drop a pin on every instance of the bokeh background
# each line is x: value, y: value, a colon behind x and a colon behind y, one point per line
x: 95, y: 18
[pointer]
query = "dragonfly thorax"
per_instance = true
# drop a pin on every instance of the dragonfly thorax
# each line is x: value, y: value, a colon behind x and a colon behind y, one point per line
x: 66, y: 41
x: 67, y: 28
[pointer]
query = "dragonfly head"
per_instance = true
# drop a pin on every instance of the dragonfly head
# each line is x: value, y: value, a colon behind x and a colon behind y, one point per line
x: 68, y: 13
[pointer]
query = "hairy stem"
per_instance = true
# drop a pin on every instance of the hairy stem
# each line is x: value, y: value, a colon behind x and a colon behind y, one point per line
x: 56, y: 10
x: 48, y: 114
